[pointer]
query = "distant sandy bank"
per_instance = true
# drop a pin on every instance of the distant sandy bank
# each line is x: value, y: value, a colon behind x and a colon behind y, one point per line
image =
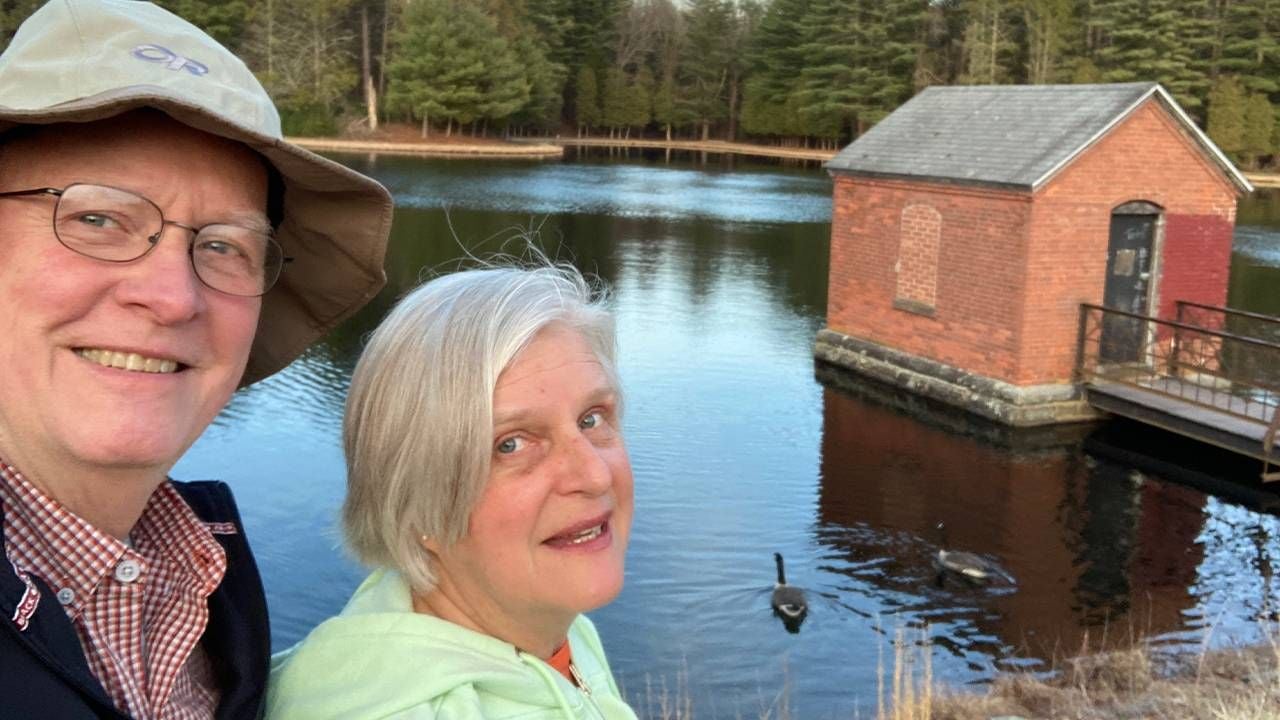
x: 430, y: 148
x: 405, y: 143
x: 1264, y: 180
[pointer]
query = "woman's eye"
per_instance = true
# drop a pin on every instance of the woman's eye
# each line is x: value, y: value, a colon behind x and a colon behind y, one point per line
x: 591, y: 419
x: 510, y: 445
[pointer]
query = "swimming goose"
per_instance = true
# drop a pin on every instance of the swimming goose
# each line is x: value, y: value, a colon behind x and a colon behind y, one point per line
x: 973, y: 568
x: 788, y: 600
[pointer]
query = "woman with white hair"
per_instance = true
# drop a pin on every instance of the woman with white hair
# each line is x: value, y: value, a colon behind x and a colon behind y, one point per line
x: 489, y: 484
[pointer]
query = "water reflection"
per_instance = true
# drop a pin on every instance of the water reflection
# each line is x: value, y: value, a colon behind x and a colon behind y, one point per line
x: 1103, y: 552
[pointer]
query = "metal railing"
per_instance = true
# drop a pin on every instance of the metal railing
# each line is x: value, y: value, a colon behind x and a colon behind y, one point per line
x: 1236, y: 322
x: 1210, y: 367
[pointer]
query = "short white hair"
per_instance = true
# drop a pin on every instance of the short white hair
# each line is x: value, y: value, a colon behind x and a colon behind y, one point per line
x: 418, y: 430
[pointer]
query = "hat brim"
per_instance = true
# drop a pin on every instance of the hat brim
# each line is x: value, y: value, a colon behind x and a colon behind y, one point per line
x: 335, y: 225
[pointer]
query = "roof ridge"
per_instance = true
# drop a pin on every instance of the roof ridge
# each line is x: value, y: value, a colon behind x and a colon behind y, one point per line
x: 1013, y: 136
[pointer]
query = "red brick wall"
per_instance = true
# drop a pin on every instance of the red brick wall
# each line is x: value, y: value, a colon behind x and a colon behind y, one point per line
x: 1012, y: 272
x: 920, y: 236
x: 976, y: 315
x: 1147, y: 157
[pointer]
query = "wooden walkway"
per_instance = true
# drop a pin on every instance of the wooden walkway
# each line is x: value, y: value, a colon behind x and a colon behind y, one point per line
x: 1164, y: 408
x: 1189, y: 376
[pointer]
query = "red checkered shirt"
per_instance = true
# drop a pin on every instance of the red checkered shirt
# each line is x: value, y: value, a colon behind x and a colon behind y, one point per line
x: 139, y: 607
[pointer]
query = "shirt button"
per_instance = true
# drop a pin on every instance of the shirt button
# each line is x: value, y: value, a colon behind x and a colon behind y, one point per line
x: 128, y: 571
x: 66, y: 596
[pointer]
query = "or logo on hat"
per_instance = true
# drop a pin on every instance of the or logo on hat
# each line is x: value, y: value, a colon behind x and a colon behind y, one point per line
x: 170, y: 59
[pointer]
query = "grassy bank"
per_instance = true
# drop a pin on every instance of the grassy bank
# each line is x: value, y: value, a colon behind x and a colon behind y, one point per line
x: 1138, y: 683
x: 1135, y: 684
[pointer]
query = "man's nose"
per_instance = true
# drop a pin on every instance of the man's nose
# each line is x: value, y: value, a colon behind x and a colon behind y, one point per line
x: 163, y: 281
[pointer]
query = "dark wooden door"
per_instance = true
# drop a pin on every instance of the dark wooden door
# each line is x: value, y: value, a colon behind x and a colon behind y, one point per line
x: 1127, y: 287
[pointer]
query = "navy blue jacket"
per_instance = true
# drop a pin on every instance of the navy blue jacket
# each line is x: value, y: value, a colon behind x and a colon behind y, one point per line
x: 43, y: 672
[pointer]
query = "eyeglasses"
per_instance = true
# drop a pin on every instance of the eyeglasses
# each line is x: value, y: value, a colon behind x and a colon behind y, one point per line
x: 116, y: 225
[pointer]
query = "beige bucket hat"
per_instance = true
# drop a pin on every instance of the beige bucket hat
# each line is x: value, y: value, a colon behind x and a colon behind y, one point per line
x: 85, y: 60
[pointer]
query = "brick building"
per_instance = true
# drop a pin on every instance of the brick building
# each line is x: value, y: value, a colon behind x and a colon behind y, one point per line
x: 969, y: 225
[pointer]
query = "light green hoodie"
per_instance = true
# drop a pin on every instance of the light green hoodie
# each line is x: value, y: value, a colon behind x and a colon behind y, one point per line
x: 380, y: 659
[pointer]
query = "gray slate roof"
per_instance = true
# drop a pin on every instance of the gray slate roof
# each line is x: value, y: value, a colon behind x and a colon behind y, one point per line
x: 1009, y: 135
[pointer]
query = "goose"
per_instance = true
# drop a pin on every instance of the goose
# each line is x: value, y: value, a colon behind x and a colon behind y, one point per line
x: 788, y: 600
x: 973, y: 568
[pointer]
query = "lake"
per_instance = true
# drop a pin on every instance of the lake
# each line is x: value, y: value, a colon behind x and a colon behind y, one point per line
x: 719, y: 278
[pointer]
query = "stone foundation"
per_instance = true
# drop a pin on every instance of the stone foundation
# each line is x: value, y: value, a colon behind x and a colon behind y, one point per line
x: 1014, y: 405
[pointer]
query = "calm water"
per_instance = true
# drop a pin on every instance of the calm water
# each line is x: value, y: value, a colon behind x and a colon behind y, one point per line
x: 720, y: 282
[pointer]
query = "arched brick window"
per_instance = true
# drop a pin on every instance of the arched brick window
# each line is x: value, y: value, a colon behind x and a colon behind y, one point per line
x: 919, y: 238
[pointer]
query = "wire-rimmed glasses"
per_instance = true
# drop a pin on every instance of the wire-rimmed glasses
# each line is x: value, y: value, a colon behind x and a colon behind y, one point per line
x: 115, y: 225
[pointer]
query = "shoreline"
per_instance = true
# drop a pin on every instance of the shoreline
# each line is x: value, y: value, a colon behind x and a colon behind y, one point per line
x: 549, y: 148
x: 544, y: 148
x: 707, y: 146
x: 1263, y: 181
x: 428, y: 148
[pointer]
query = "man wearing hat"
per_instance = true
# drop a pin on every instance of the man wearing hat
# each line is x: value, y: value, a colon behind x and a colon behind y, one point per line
x: 160, y: 246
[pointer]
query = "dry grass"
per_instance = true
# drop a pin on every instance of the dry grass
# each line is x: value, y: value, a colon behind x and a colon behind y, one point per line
x: 1132, y: 684
x: 1137, y: 683
x: 913, y: 690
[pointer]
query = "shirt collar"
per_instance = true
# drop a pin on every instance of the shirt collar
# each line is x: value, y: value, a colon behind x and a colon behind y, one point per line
x: 70, y: 552
x: 75, y: 554
x: 170, y: 527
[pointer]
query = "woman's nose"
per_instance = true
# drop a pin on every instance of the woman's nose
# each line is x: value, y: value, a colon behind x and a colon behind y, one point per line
x: 582, y: 467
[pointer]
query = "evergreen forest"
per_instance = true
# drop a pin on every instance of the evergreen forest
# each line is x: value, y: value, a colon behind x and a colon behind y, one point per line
x: 792, y: 72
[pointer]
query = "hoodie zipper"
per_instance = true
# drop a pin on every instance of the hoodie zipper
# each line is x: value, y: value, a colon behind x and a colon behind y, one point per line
x: 577, y: 678
x: 582, y: 685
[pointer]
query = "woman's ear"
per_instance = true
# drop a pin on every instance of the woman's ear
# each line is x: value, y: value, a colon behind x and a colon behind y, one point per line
x: 429, y: 544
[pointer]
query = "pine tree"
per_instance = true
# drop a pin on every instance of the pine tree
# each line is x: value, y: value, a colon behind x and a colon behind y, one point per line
x: 546, y: 84
x: 1226, y: 114
x: 775, y: 61
x: 505, y: 88
x: 587, y: 103
x: 863, y: 63
x: 639, y: 102
x: 593, y: 31
x: 705, y: 61
x: 224, y: 20
x: 439, y: 70
x: 664, y: 105
x: 902, y: 54
x: 1259, y: 126
x: 530, y: 30
x: 835, y: 88
x: 760, y: 116
x: 1250, y: 44
x: 1153, y: 40
x: 613, y: 100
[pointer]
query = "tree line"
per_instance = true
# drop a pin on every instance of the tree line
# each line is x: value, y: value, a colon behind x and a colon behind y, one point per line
x: 795, y: 72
